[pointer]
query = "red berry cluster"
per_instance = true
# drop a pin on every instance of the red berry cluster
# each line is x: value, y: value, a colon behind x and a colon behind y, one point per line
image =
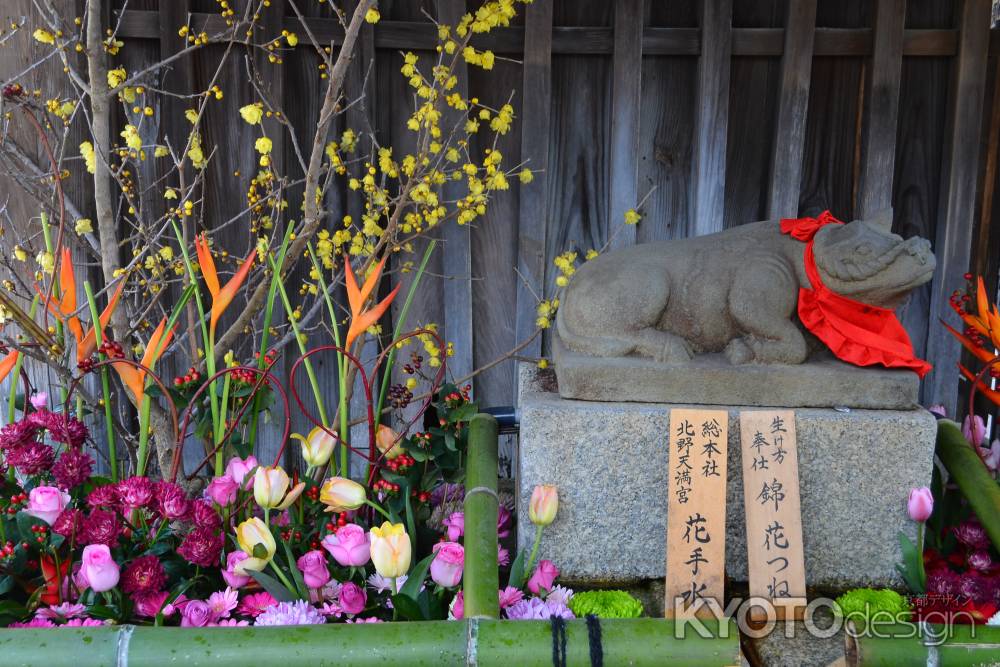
x: 7, y: 550
x: 191, y: 377
x: 111, y: 349
x: 421, y: 440
x: 287, y: 535
x: 312, y: 493
x: 332, y: 527
x: 456, y: 399
x: 401, y: 463
x: 15, y: 501
x: 86, y: 365
x: 422, y: 496
x: 40, y: 531
x: 247, y: 376
x: 13, y: 91
x: 387, y: 487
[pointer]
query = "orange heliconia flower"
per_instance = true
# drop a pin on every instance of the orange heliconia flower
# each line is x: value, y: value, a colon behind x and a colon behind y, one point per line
x: 87, y: 345
x: 66, y: 306
x: 135, y: 378
x: 983, y: 340
x: 221, y: 297
x: 7, y: 364
x: 362, y: 319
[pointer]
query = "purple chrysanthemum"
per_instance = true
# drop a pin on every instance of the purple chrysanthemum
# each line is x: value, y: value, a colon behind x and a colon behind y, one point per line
x: 144, y: 575
x: 103, y: 496
x: 100, y: 527
x: 69, y: 523
x: 202, y: 546
x: 171, y: 501
x: 17, y: 434
x: 31, y: 458
x: 204, y: 515
x: 299, y: 612
x: 72, y: 469
x: 62, y: 428
x: 537, y: 609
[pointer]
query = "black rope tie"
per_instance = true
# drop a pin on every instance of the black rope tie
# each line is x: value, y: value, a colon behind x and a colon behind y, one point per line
x: 594, y: 638
x: 558, y: 641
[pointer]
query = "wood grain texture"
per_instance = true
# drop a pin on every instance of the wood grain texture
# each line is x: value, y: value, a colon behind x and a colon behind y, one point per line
x: 712, y: 118
x: 958, y: 195
x: 536, y: 94
x: 878, y: 138
x: 626, y: 88
x: 793, y: 104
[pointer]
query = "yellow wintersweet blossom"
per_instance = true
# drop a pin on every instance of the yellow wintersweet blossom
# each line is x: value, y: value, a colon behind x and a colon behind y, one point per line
x: 44, y: 36
x: 263, y: 145
x: 501, y: 122
x: 252, y: 113
x: 191, y: 115
x: 161, y: 151
x: 543, y: 364
x: 525, y: 176
x: 89, y: 158
x: 632, y: 217
x: 372, y: 15
x: 83, y: 226
x: 170, y: 194
x: 197, y: 155
x: 46, y: 261
x: 116, y: 77
x: 292, y: 39
x: 19, y: 254
x: 131, y: 136
x: 591, y: 254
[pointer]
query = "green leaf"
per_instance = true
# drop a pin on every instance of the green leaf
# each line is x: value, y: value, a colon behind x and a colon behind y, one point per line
x: 407, y: 607
x: 6, y: 584
x: 296, y: 574
x: 516, y: 578
x: 259, y: 551
x: 909, y: 569
x: 416, y: 577
x: 24, y: 523
x: 273, y: 586
x: 11, y: 611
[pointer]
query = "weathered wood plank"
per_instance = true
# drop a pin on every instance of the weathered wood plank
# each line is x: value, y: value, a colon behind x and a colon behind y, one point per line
x: 958, y: 196
x: 878, y: 138
x: 536, y: 95
x: 626, y: 97
x: 712, y: 118
x: 793, y: 105
x: 456, y: 255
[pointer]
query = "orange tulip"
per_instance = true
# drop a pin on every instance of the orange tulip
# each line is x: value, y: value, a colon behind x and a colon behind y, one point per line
x: 135, y: 378
x: 221, y: 297
x: 7, y: 364
x: 362, y: 319
x: 88, y: 344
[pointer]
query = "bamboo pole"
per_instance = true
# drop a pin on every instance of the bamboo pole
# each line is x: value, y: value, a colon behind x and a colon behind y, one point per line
x: 642, y: 642
x: 481, y: 580
x: 963, y: 464
x: 901, y: 645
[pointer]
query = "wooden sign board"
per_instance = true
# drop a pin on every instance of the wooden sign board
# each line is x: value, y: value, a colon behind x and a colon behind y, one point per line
x: 696, y: 511
x: 773, y: 513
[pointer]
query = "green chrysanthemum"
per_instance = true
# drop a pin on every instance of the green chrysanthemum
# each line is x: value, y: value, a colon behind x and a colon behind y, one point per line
x: 605, y: 604
x: 866, y: 602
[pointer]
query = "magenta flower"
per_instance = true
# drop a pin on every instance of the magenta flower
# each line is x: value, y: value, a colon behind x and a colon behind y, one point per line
x: 455, y: 523
x: 509, y: 596
x: 369, y: 619
x: 457, y: 610
x: 202, y: 546
x: 447, y: 566
x: 196, y: 614
x: 171, y: 501
x: 299, y: 612
x: 62, y: 428
x: 100, y: 527
x: 72, y: 469
x: 974, y: 429
x: 64, y: 611
x: 920, y: 505
x: 972, y: 534
x: 991, y: 456
x: 349, y: 546
x: 234, y: 580
x: 83, y: 622
x: 223, y: 602
x: 69, y: 523
x: 544, y: 575
x: 32, y: 458
x: 255, y: 604
x: 222, y: 490
x: 39, y: 400
x: 204, y: 515
x: 503, y: 556
x: 503, y: 521
x: 150, y: 604
x: 34, y: 623
x: 103, y: 496
x: 312, y: 564
x: 145, y: 574
x: 46, y: 503
x: 980, y: 560
x: 352, y: 598
x: 230, y: 623
x: 135, y: 492
x: 17, y: 434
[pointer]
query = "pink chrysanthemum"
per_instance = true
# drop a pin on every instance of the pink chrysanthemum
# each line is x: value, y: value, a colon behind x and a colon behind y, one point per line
x: 64, y: 611
x: 100, y: 527
x: 62, y: 428
x: 83, y: 622
x: 103, y: 496
x: 34, y: 623
x: 255, y: 604
x: 144, y: 575
x: 510, y: 596
x: 204, y: 515
x: 72, y: 469
x: 370, y: 619
x: 202, y: 546
x: 537, y: 609
x: 135, y: 492
x: 171, y: 501
x: 31, y: 458
x: 69, y: 523
x: 299, y: 612
x: 229, y: 623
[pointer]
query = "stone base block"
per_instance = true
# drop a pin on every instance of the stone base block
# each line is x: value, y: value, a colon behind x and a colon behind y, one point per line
x: 610, y: 461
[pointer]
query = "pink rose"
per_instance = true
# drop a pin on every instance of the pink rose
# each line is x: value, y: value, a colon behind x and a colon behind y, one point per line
x: 349, y: 546
x: 313, y: 567
x: 458, y: 606
x: 238, y: 469
x: 46, y: 503
x: 455, y: 524
x: 222, y: 490
x: 544, y: 575
x: 197, y: 614
x: 98, y: 568
x: 447, y: 566
x: 352, y: 598
x: 233, y: 579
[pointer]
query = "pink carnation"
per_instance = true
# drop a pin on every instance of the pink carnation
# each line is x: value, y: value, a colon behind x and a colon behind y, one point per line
x: 103, y: 496
x: 69, y: 523
x: 100, y: 527
x: 72, y: 469
x: 202, y: 546
x: 204, y: 515
x: 171, y: 501
x: 135, y: 492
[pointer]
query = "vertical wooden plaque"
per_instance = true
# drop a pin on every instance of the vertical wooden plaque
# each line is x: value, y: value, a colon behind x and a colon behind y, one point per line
x: 696, y: 511
x: 773, y: 514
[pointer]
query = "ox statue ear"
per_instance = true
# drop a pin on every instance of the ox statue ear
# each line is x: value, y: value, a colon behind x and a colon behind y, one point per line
x: 882, y: 219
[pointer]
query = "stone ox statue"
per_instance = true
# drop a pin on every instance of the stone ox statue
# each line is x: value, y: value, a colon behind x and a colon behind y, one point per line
x: 734, y: 291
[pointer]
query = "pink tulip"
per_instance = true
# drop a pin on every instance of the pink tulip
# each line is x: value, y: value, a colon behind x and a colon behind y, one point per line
x: 233, y: 579
x: 991, y: 455
x: 938, y: 410
x: 222, y: 490
x: 458, y: 606
x: 312, y: 564
x: 99, y: 568
x: 921, y: 504
x: 545, y: 574
x: 349, y: 546
x: 974, y: 429
x: 238, y: 469
x: 39, y: 400
x: 455, y: 523
x: 447, y: 566
x: 352, y: 598
x: 46, y: 503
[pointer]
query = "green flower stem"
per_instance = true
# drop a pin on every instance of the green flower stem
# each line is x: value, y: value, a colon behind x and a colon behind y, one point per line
x: 378, y: 509
x: 920, y: 555
x: 143, y: 455
x: 56, y: 290
x: 534, y: 552
x: 15, y: 373
x: 109, y: 423
x: 284, y: 579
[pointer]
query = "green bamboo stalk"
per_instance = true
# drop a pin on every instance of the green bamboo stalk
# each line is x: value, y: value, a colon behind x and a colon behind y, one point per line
x: 902, y: 645
x: 963, y: 464
x: 481, y: 580
x: 641, y: 642
x: 109, y: 423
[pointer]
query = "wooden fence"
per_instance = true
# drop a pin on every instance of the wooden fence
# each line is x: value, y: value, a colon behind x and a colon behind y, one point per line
x: 717, y: 113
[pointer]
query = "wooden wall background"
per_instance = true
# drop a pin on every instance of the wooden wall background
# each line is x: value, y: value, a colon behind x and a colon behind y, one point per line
x: 730, y: 111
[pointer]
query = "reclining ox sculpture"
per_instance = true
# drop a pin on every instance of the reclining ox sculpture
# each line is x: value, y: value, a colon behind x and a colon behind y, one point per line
x: 734, y: 291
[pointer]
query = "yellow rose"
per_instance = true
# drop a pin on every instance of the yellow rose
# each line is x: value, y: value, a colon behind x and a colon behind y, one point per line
x: 257, y: 542
x: 390, y: 550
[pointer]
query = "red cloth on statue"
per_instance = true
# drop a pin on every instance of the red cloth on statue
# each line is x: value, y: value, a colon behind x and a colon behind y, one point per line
x: 855, y: 332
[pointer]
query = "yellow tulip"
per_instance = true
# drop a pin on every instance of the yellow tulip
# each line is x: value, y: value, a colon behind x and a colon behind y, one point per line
x: 257, y: 542
x: 388, y: 442
x: 317, y: 447
x: 340, y: 494
x: 390, y: 550
x: 543, y: 505
x: 270, y: 485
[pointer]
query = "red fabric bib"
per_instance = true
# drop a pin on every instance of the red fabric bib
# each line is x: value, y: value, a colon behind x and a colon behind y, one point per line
x: 855, y: 332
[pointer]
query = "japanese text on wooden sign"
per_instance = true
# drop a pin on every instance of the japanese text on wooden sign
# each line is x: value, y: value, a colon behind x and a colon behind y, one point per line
x: 773, y: 516
x: 696, y: 510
